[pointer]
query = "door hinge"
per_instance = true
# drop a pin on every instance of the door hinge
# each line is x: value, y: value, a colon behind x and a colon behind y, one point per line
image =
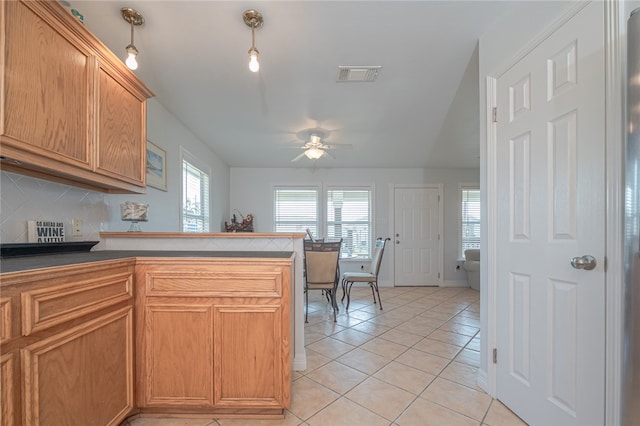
x: 438, y: 198
x: 495, y: 355
x: 438, y: 237
x: 494, y: 114
x: 438, y: 275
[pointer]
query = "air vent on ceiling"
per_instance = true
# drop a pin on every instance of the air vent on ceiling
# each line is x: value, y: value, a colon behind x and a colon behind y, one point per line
x: 353, y: 74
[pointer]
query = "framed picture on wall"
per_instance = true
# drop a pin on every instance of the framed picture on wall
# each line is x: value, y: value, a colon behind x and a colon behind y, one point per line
x: 156, y: 166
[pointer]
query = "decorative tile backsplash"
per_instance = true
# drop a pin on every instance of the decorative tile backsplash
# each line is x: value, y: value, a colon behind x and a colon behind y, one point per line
x: 23, y: 198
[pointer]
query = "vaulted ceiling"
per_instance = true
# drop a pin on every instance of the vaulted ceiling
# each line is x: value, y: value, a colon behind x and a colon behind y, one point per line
x: 422, y: 111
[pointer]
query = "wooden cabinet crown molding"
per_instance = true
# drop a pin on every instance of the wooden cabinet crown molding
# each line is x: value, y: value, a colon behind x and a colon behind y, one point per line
x: 71, y: 111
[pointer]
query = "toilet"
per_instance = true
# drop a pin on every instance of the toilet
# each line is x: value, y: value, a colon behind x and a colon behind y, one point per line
x: 472, y: 266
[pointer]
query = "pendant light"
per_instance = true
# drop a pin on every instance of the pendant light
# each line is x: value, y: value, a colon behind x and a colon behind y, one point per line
x: 254, y: 20
x: 134, y: 18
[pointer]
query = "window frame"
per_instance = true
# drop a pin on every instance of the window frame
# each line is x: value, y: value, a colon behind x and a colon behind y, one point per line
x: 186, y: 156
x: 472, y: 186
x: 370, y: 222
x: 317, y: 189
x: 321, y: 210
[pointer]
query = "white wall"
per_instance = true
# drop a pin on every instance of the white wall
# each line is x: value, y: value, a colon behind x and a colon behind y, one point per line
x: 252, y: 192
x: 165, y: 131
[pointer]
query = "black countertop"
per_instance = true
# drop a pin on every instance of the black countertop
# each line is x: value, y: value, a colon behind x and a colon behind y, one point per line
x: 15, y: 264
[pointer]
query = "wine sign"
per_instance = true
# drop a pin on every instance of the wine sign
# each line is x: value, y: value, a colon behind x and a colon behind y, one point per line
x: 45, y: 231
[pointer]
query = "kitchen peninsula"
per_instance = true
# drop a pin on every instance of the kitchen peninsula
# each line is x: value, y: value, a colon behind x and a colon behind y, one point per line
x: 149, y: 331
x: 224, y: 241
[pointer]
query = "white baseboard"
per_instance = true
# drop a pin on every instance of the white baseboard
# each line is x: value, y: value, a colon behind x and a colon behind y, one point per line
x: 454, y: 283
x: 445, y: 283
x: 299, y: 361
x: 381, y: 284
x: 482, y: 382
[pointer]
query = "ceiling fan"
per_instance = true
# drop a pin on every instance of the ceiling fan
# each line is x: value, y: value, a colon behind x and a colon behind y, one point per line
x: 314, y: 148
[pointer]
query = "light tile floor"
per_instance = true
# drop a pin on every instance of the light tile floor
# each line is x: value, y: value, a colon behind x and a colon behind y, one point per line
x: 413, y: 363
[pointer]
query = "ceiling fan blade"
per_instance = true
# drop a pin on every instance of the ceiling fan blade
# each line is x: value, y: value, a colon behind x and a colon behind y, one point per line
x: 298, y: 157
x: 338, y: 146
x: 329, y: 154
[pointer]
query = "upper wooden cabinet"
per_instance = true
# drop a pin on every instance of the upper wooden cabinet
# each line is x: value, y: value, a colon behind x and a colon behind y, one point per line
x: 71, y: 110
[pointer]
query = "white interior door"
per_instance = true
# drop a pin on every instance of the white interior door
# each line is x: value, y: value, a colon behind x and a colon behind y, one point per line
x: 417, y: 236
x: 551, y: 208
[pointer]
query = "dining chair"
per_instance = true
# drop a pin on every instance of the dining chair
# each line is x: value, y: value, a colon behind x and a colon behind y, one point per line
x: 321, y: 271
x: 371, y: 277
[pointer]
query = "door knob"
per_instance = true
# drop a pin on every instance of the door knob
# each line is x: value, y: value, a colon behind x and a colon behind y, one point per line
x: 586, y: 262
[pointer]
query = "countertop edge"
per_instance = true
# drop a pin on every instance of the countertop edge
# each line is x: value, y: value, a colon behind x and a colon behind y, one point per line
x: 17, y: 265
x: 287, y: 235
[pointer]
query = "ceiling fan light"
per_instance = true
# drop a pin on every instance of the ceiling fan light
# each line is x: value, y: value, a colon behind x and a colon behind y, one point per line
x: 315, y: 139
x: 313, y: 153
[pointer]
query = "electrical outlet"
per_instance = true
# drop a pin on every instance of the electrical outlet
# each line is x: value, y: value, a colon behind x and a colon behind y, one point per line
x: 76, y: 227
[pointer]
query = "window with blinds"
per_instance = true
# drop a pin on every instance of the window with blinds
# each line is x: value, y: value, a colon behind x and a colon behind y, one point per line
x: 195, y: 198
x: 295, y: 210
x: 349, y: 218
x: 470, y: 218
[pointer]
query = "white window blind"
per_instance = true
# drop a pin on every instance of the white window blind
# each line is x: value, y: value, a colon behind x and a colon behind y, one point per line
x: 195, y: 198
x: 295, y: 210
x: 470, y: 219
x: 349, y: 218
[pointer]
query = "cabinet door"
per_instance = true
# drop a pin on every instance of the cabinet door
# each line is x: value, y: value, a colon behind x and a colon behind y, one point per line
x: 178, y: 355
x: 47, y: 78
x: 9, y: 390
x: 121, y: 130
x: 83, y: 376
x: 6, y: 324
x: 249, y: 357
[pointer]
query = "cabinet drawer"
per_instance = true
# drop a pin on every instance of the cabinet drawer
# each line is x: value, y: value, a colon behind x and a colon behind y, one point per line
x: 216, y: 281
x: 45, y: 307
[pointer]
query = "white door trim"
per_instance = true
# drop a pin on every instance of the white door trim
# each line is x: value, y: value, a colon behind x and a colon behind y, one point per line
x: 615, y: 50
x: 615, y: 134
x: 488, y: 382
x: 392, y: 216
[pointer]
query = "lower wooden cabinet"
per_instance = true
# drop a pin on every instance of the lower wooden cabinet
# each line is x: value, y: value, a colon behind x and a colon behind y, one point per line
x: 178, y: 355
x: 10, y: 390
x: 214, y: 336
x: 199, y: 336
x: 81, y: 376
x: 247, y: 356
x: 67, y: 357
